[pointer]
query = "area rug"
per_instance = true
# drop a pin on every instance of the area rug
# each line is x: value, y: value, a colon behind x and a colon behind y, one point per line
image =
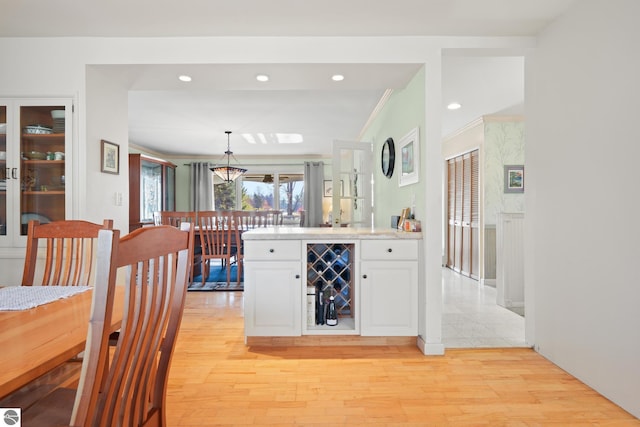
x: 217, y: 280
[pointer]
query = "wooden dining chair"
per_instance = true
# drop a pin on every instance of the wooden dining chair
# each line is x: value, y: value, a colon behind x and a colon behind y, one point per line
x: 269, y: 218
x: 127, y: 387
x: 243, y: 221
x: 175, y: 218
x: 277, y: 218
x: 215, y: 231
x: 69, y: 254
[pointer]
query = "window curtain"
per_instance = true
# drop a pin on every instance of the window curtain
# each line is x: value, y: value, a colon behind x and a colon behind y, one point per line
x: 201, y: 192
x: 313, y: 178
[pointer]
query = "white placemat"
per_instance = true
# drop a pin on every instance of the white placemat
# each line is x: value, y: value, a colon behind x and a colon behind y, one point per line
x: 14, y: 298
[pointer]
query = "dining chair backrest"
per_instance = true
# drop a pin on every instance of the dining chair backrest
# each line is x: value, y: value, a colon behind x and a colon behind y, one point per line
x: 243, y: 220
x: 70, y: 252
x: 175, y: 218
x: 213, y: 232
x: 128, y: 388
x: 267, y: 218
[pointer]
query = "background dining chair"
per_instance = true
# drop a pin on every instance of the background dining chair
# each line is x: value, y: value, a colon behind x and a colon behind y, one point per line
x: 243, y: 221
x: 69, y: 254
x: 215, y: 231
x: 175, y: 218
x: 277, y: 218
x: 127, y: 388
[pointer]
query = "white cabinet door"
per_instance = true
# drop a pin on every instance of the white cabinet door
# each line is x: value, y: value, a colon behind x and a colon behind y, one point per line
x: 272, y: 298
x: 272, y: 288
x: 389, y: 298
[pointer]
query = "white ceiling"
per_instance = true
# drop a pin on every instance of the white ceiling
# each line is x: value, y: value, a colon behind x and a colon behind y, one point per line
x: 171, y: 117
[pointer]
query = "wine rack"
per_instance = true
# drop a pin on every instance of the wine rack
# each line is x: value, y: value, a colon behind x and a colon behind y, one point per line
x: 330, y: 272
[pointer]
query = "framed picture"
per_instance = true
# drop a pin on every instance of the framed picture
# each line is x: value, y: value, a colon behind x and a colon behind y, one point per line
x: 109, y: 157
x: 409, y: 150
x: 514, y: 179
x: 328, y: 188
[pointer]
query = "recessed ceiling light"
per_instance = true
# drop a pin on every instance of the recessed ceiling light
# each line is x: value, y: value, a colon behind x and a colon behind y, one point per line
x: 337, y: 77
x: 262, y: 78
x: 454, y: 106
x: 184, y: 78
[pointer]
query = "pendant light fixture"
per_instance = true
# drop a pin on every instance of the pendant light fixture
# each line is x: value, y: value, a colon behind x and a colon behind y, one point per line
x: 228, y: 173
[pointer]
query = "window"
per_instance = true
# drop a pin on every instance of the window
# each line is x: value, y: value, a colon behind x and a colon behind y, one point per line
x: 270, y: 191
x: 258, y: 193
x: 291, y: 195
x: 224, y: 196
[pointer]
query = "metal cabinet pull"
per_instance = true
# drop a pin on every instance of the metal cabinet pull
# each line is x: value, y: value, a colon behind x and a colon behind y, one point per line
x: 297, y: 276
x: 271, y: 250
x: 364, y: 276
x: 389, y: 250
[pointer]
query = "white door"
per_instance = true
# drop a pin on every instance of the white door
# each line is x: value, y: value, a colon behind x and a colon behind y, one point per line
x: 352, y: 190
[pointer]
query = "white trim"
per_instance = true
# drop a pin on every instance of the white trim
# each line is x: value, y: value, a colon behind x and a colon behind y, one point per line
x: 430, y: 349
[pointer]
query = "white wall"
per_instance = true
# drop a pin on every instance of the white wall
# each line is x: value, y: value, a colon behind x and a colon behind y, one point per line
x: 582, y: 146
x: 64, y: 67
x: 106, y: 119
x: 582, y: 151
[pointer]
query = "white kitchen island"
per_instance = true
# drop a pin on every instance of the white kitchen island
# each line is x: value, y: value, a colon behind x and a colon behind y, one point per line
x: 290, y: 273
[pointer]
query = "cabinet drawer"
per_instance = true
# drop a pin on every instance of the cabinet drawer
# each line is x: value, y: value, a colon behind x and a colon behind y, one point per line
x: 389, y: 249
x: 272, y: 250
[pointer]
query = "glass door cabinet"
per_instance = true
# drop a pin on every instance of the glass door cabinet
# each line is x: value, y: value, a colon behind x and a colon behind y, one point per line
x: 35, y: 154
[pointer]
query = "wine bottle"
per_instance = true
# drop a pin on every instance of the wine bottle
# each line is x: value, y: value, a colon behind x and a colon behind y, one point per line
x: 319, y: 306
x: 332, y: 313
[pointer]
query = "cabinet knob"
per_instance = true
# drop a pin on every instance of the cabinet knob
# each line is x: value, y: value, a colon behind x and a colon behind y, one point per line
x: 389, y: 250
x: 364, y: 276
x: 271, y: 250
x: 297, y: 276
x: 14, y: 173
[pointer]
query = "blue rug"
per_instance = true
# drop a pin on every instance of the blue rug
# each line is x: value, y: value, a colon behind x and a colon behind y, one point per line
x: 217, y: 280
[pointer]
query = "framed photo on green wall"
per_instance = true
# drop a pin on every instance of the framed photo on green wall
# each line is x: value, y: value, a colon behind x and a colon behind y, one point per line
x: 409, y: 149
x: 514, y: 179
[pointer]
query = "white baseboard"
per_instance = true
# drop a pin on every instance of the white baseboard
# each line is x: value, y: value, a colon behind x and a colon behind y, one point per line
x: 488, y: 282
x: 430, y: 349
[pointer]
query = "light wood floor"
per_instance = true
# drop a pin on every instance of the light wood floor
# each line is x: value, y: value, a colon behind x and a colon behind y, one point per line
x: 218, y: 381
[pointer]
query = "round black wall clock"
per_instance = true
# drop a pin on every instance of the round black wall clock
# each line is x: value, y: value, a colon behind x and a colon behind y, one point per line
x: 388, y: 157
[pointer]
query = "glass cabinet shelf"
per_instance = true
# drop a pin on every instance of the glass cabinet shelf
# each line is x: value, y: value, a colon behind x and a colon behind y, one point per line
x: 34, y: 164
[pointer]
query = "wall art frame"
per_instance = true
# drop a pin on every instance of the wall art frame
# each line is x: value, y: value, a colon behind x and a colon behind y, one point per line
x: 514, y: 178
x: 109, y: 157
x: 409, y: 150
x: 327, y: 188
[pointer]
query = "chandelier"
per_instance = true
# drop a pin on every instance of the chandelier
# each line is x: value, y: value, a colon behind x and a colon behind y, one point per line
x: 228, y: 173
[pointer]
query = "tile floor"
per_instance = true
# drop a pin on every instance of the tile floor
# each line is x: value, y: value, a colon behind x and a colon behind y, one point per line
x: 471, y: 318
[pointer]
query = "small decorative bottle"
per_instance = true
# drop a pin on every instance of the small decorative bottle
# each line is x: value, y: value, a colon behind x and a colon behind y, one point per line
x: 332, y: 313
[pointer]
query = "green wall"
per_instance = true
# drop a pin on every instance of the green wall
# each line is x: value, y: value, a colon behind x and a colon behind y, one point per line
x: 503, y: 145
x: 403, y: 111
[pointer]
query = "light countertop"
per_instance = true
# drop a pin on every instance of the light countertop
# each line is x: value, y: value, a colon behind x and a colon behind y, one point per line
x: 304, y: 233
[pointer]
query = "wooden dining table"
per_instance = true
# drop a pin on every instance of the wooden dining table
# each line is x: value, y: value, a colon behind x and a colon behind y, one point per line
x: 36, y: 340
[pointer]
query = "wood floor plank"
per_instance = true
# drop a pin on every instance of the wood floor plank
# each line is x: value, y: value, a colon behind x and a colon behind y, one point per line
x: 217, y: 380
